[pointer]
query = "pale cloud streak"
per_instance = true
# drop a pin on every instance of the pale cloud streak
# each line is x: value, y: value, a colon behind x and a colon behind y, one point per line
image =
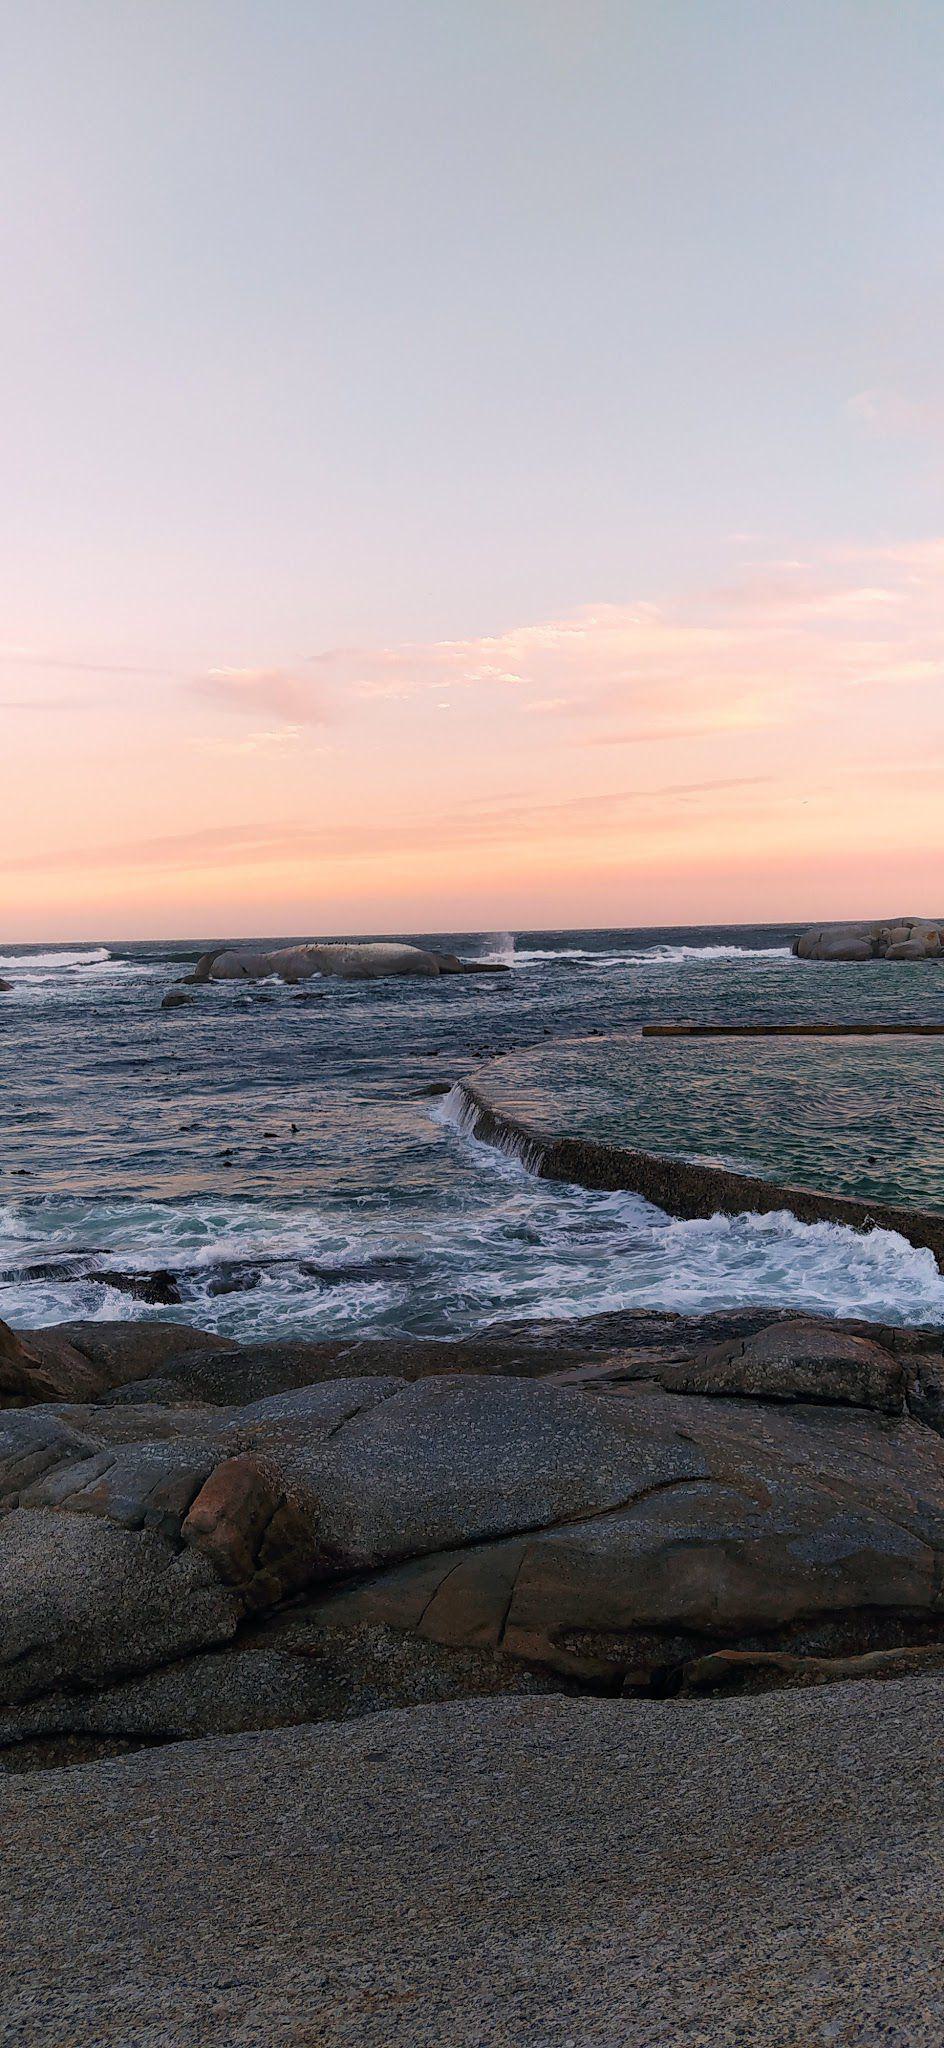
x: 508, y: 821
x: 886, y: 414
x: 744, y: 658
x: 278, y: 692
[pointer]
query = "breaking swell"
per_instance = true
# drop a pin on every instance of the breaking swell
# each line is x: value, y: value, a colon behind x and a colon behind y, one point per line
x: 806, y: 1247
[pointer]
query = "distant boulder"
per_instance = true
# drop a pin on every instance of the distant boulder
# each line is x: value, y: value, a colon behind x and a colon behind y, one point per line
x: 359, y: 960
x: 901, y: 938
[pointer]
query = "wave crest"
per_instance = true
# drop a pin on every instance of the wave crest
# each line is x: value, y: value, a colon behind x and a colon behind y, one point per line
x: 87, y: 956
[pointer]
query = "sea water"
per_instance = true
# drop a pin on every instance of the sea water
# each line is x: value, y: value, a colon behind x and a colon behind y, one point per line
x: 281, y: 1153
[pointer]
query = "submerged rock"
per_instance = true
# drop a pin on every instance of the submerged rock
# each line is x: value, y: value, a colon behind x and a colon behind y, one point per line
x: 907, y: 938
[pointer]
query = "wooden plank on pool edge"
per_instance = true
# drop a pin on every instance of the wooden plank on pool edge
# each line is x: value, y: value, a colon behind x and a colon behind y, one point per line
x: 793, y: 1031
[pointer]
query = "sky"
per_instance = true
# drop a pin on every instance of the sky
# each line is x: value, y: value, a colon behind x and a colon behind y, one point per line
x: 469, y: 464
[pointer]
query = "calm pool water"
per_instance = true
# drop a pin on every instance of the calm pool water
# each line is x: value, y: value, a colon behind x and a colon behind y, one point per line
x: 860, y: 1116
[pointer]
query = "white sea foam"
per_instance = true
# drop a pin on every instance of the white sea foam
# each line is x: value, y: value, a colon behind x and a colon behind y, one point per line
x: 498, y: 946
x: 677, y: 956
x: 500, y: 1243
x: 537, y: 956
x: 636, y: 1255
x: 31, y: 963
x: 503, y: 947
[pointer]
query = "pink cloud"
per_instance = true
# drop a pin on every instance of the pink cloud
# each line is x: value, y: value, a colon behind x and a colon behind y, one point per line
x: 280, y: 693
x: 743, y: 658
x: 885, y: 414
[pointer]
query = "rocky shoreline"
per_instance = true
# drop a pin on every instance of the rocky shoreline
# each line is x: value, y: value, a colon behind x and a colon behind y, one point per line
x: 894, y: 938
x: 483, y: 1642
x: 458, y: 1627
x: 200, y: 1537
x: 354, y: 960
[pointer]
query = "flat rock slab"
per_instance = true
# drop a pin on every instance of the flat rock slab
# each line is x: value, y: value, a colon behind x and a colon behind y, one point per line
x: 502, y: 1874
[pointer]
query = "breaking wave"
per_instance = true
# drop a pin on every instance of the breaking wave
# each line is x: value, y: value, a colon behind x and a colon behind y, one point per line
x: 648, y: 1259
x: 676, y: 956
x: 501, y: 947
x: 87, y: 956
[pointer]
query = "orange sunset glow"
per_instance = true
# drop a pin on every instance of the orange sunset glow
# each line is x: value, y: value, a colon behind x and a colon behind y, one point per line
x: 752, y: 751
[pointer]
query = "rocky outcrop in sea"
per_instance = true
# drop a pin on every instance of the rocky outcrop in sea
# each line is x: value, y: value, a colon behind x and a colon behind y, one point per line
x: 897, y: 938
x: 360, y: 960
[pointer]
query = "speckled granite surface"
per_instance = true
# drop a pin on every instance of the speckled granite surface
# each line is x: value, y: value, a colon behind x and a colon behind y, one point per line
x: 504, y: 1874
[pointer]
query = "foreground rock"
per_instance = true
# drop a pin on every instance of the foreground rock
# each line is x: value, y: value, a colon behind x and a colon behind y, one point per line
x: 522, y: 1874
x: 353, y: 962
x: 903, y: 938
x: 83, y: 1361
x: 199, y: 1538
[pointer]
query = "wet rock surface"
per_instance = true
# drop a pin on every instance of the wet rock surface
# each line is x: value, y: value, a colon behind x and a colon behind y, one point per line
x: 199, y: 1538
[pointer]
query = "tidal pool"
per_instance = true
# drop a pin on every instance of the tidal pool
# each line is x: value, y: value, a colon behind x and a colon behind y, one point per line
x: 851, y: 1116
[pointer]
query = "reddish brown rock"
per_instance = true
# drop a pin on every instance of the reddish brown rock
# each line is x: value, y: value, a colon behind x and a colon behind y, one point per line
x: 252, y: 1533
x: 46, y: 1368
x: 769, y: 1500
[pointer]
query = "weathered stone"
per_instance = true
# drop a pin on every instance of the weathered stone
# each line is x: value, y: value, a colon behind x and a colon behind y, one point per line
x: 44, y: 1367
x: 906, y: 938
x: 768, y: 1496
x: 756, y: 1872
x: 35, y: 1442
x: 690, y: 1521
x: 121, y: 1353
x: 292, y: 1667
x: 804, y: 1361
x: 925, y: 1389
x: 83, y: 1601
x: 356, y: 960
x: 758, y: 1670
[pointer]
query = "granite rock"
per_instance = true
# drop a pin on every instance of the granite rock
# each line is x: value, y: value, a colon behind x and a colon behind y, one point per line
x: 762, y: 1873
x: 906, y: 938
x: 607, y: 1526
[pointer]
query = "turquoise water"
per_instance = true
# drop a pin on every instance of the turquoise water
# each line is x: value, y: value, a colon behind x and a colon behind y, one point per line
x: 861, y: 1117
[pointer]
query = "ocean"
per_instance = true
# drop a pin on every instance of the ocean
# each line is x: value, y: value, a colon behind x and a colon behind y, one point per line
x: 279, y: 1156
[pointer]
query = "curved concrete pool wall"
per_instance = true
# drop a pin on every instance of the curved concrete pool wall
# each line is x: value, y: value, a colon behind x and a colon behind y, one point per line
x: 676, y: 1185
